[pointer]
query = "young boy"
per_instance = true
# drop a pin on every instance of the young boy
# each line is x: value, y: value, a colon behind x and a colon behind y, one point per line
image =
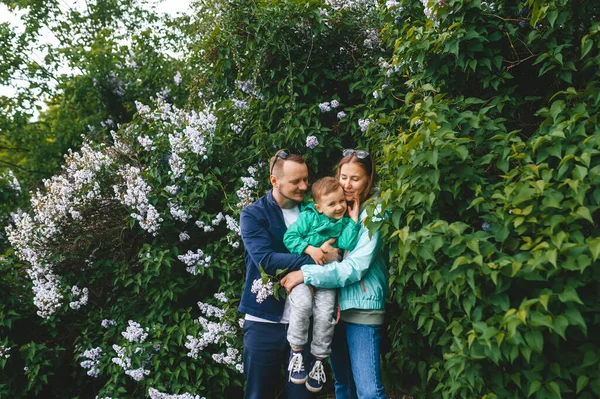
x: 317, y: 223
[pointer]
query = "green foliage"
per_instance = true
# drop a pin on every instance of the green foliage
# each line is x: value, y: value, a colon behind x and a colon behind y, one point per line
x: 492, y: 182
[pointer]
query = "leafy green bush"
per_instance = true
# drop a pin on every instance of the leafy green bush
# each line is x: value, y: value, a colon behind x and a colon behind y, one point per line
x: 492, y: 182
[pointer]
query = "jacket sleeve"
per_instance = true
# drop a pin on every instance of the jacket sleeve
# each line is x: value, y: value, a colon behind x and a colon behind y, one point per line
x: 295, y: 236
x: 348, y: 271
x: 349, y: 237
x: 259, y: 246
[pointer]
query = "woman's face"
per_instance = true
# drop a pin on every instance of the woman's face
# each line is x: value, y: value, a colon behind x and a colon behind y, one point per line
x: 354, y: 180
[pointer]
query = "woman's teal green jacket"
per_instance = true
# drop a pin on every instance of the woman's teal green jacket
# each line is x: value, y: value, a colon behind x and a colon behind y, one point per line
x: 362, y: 275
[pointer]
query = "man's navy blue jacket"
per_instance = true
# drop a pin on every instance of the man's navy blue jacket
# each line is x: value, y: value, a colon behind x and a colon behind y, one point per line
x: 262, y: 228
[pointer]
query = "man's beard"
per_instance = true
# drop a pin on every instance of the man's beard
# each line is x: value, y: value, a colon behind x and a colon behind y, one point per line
x: 288, y: 198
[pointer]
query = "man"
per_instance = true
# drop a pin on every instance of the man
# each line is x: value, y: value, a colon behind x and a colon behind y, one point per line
x: 263, y: 225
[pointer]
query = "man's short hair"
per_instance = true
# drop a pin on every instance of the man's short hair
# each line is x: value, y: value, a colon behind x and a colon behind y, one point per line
x: 276, y: 163
x: 324, y: 186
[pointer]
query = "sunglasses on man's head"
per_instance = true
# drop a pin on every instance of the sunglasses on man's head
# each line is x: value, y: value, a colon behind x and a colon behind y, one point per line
x: 360, y: 154
x: 280, y: 154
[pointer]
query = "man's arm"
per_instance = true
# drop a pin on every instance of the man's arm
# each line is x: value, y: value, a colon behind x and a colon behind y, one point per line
x: 259, y: 246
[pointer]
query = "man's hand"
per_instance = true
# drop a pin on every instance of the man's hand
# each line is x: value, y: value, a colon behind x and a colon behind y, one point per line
x: 331, y: 253
x: 317, y: 254
x: 292, y: 279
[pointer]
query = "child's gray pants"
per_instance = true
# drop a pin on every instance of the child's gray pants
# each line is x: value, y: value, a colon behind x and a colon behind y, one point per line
x: 321, y: 306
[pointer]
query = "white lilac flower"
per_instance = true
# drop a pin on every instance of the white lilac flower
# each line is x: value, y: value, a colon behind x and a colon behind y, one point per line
x: 178, y: 213
x: 4, y: 352
x: 232, y: 224
x: 364, y: 124
x: 325, y: 107
x: 137, y: 374
x: 177, y: 78
x: 262, y: 291
x: 80, y: 296
x: 312, y: 142
x: 236, y: 127
x: 13, y: 183
x: 135, y: 196
x: 121, y: 359
x: 195, y: 260
x: 92, y: 362
x: 156, y: 394
x: 173, y: 190
x: 341, y: 115
x: 184, y: 236
x: 335, y: 104
x: 220, y: 296
x: 107, y: 323
x: 240, y: 104
x: 135, y: 332
x: 146, y: 143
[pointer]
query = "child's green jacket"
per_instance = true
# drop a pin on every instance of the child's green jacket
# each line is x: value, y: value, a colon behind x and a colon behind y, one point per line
x: 314, y: 228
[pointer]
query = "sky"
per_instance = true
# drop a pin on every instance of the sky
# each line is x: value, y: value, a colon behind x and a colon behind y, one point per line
x: 170, y: 7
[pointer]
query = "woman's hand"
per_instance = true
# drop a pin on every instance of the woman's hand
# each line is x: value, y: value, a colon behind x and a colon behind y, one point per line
x: 292, y: 279
x: 353, y: 208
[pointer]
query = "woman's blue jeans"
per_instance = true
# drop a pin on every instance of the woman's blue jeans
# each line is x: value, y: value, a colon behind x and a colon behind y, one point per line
x: 355, y: 361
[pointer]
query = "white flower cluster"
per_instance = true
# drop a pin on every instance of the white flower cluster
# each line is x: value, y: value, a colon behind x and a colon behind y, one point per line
x: 147, y: 143
x: 136, y: 196
x: 262, y: 291
x: 364, y: 124
x: 173, y: 190
x: 184, y: 236
x: 247, y: 86
x: 195, y: 260
x: 156, y: 394
x: 220, y: 296
x: 92, y: 362
x: 121, y: 359
x: 178, y: 213
x: 135, y: 332
x: 372, y: 40
x: 387, y: 67
x: 232, y: 357
x: 346, y: 4
x: 240, y: 104
x: 312, y: 142
x: 12, y: 181
x: 232, y: 224
x: 214, y: 333
x: 4, y: 352
x: 341, y: 115
x: 177, y: 78
x: 80, y: 297
x: 244, y: 193
x: 190, y: 131
x: 137, y: 374
x: 328, y: 106
x: 106, y: 323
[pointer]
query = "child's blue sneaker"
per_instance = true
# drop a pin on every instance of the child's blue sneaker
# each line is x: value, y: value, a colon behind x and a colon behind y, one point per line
x: 316, y: 377
x: 297, y: 374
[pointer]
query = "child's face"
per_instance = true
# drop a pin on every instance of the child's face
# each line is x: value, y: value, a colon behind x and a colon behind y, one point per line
x: 332, y: 205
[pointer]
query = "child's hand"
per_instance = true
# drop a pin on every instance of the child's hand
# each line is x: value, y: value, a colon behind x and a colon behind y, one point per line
x: 353, y: 209
x: 316, y: 253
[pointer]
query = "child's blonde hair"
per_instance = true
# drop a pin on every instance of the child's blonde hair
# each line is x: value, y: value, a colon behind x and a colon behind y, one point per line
x: 324, y: 186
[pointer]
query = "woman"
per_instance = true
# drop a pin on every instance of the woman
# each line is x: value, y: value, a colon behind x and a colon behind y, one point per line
x: 362, y: 279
